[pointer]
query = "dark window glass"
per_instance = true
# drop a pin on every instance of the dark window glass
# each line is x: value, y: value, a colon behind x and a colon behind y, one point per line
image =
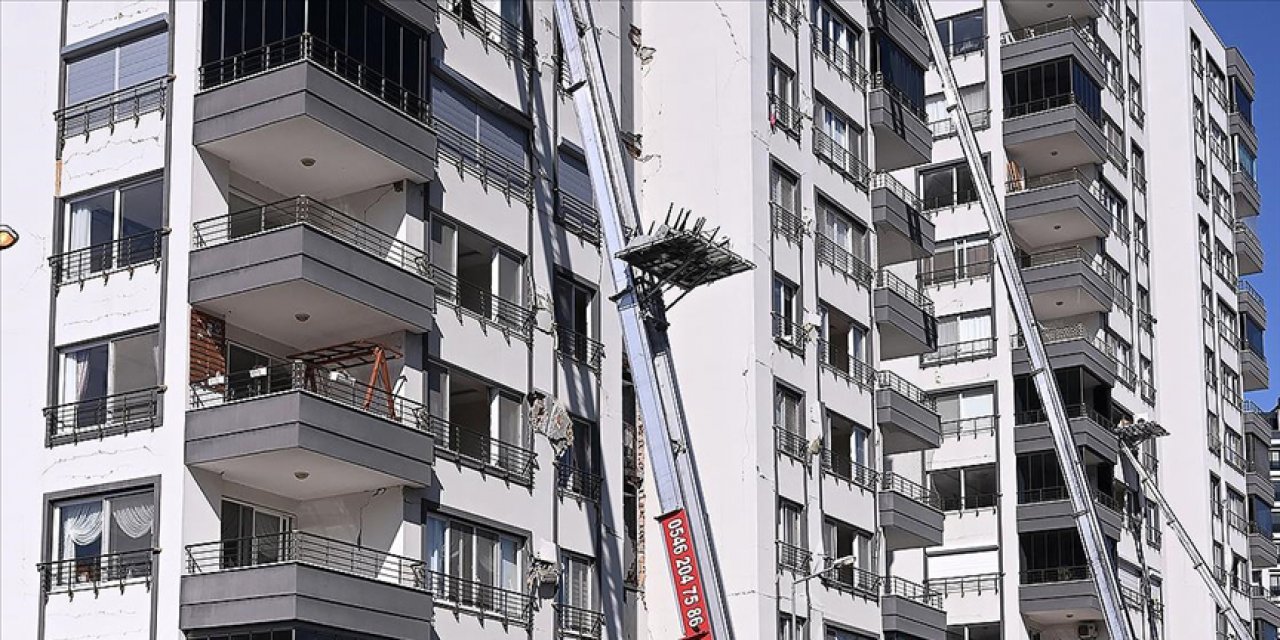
x: 211, y: 40
x: 1242, y: 101
x: 899, y: 71
x: 253, y: 10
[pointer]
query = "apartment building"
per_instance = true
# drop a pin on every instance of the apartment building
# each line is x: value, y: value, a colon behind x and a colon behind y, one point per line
x: 297, y: 283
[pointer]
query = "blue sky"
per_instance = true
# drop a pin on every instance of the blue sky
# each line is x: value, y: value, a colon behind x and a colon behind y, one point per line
x: 1250, y: 26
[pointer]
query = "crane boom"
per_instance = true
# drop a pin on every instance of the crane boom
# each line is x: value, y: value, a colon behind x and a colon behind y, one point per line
x: 1083, y: 510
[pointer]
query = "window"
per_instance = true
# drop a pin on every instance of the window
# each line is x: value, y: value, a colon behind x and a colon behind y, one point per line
x: 471, y: 555
x: 577, y: 465
x: 965, y: 487
x: 132, y: 215
x: 1119, y: 210
x: 1226, y: 262
x: 1119, y: 279
x: 962, y: 336
x: 1231, y: 386
x: 848, y: 454
x: 1210, y: 368
x: 1051, y: 85
x: 791, y: 551
x: 1206, y: 241
x: 479, y: 422
x: 788, y: 631
x: 955, y: 260
x: 102, y: 380
x: 1202, y: 180
x: 1222, y: 202
x: 898, y: 72
x: 1246, y: 160
x: 966, y: 411
x: 1135, y: 102
x: 1140, y: 239
x: 841, y: 140
x: 1241, y: 101
x: 575, y: 197
x: 1218, y: 142
x: 786, y: 312
x: 1217, y: 82
x: 127, y: 65
x: 480, y: 139
x: 784, y: 189
x: 841, y: 540
x: 1215, y: 440
x: 975, y: 101
x: 1139, y: 161
x: 575, y: 318
x: 838, y: 38
x: 788, y: 410
x: 1253, y: 335
x: 103, y: 538
x: 578, y: 589
x: 947, y: 186
x: 1215, y: 496
x: 252, y: 535
x: 843, y: 230
x: 782, y: 83
x: 834, y: 633
x: 843, y: 342
x: 962, y: 34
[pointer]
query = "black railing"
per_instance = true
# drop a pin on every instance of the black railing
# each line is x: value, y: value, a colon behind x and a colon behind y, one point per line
x: 787, y: 12
x: 969, y: 426
x: 969, y: 501
x: 1056, y: 574
x: 311, y: 213
x: 960, y: 351
x: 93, y: 572
x: 1040, y: 105
x: 793, y: 558
x: 1245, y: 289
x: 787, y: 332
x: 791, y: 444
x: 787, y: 223
x: 914, y: 591
x: 783, y: 115
x: 840, y: 59
x: 130, y: 103
x: 915, y: 491
x: 908, y: 106
x: 881, y: 180
x: 842, y: 260
x: 1237, y: 521
x: 125, y: 254
x: 958, y: 273
x: 843, y: 467
x: 845, y: 366
x: 506, y: 36
x: 1077, y: 410
x: 477, y: 447
x: 305, y: 46
x: 493, y: 167
x: 946, y: 127
x: 844, y: 161
x: 576, y: 622
x: 576, y: 482
x: 962, y: 48
x: 898, y: 384
x: 73, y: 422
x: 310, y: 549
x: 507, y: 606
x: 490, y: 308
x: 1031, y: 183
x: 907, y: 8
x: 1042, y: 494
x: 579, y: 348
x: 577, y: 217
x: 966, y: 585
x: 851, y: 580
x: 886, y: 279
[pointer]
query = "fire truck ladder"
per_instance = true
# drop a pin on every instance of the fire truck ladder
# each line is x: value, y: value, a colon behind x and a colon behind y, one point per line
x: 676, y: 255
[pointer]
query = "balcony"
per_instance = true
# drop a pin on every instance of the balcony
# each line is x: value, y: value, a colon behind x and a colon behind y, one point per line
x: 1071, y: 346
x: 1249, y: 256
x: 1255, y: 421
x: 1049, y: 508
x: 1239, y: 69
x: 1251, y: 302
x: 1042, y: 12
x: 902, y: 135
x: 478, y: 301
x: 794, y: 559
x: 1254, y: 372
x: 1066, y: 282
x: 299, y: 577
x: 472, y: 446
x: 1239, y: 125
x: 1244, y: 187
x: 843, y: 160
x: 269, y: 110
x: 1265, y: 605
x: 946, y: 128
x: 903, y: 231
x: 1053, y: 594
x: 1035, y: 130
x: 901, y: 21
x: 909, y: 609
x: 904, y: 316
x: 305, y: 432
x: 1054, y: 39
x: 910, y: 514
x: 1056, y: 208
x: 579, y: 348
x: 575, y: 622
x: 908, y: 419
x: 1262, y: 548
x: 97, y: 418
x: 1089, y: 428
x: 784, y: 117
x: 300, y: 256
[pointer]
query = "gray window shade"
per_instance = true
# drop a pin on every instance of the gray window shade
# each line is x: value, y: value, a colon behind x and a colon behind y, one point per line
x: 573, y: 178
x: 143, y: 60
x: 88, y: 78
x: 465, y: 127
x: 454, y: 109
x: 130, y: 64
x: 505, y: 138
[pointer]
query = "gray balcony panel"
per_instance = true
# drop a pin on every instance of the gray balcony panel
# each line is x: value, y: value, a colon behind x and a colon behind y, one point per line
x: 299, y: 593
x: 1066, y: 129
x: 1052, y: 598
x: 1262, y: 551
x: 1056, y: 514
x: 1256, y: 425
x: 1067, y: 288
x: 1240, y: 127
x: 908, y: 524
x: 1252, y: 304
x: 1029, y: 438
x: 906, y: 616
x: 1248, y: 199
x: 1071, y: 353
x: 300, y: 257
x: 888, y: 17
x: 299, y: 421
x: 902, y: 232
x: 1265, y: 608
x: 1239, y: 67
x: 242, y: 121
x: 1034, y: 212
x: 1067, y: 42
x: 902, y: 139
x: 422, y: 13
x: 905, y: 329
x: 1249, y: 255
x: 906, y: 425
x: 1258, y: 483
x: 1254, y: 372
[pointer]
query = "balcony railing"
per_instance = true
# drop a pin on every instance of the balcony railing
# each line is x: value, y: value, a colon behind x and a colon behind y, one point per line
x: 1040, y: 416
x: 1245, y: 289
x: 94, y: 572
x: 576, y: 482
x: 959, y: 352
x: 506, y: 36
x: 478, y: 448
x: 1064, y: 255
x: 843, y: 467
x: 487, y: 601
x: 851, y: 580
x: 577, y: 217
x: 125, y: 254
x: 966, y: 585
x: 1229, y: 333
x: 791, y: 444
x: 909, y: 107
x: 793, y: 558
x: 840, y: 59
x: 914, y: 591
x: 1057, y: 25
x: 306, y: 211
x: 120, y: 413
x: 962, y: 48
x: 784, y: 116
x: 480, y: 302
x: 1136, y: 112
x: 787, y: 12
x: 1116, y: 154
x: 882, y: 180
x: 842, y: 260
x: 300, y: 547
x: 969, y: 501
x: 946, y: 127
x: 917, y: 492
x: 491, y: 166
x: 890, y: 281
x: 969, y: 426
x: 307, y: 47
x: 787, y: 223
x: 1041, y: 105
x: 1234, y: 458
x: 846, y: 162
x: 579, y: 348
x: 576, y: 622
x: 958, y: 273
x: 845, y: 366
x: 788, y: 333
x: 1090, y: 184
x: 896, y: 383
x: 1056, y: 574
x: 130, y: 103
x: 1219, y: 93
x: 907, y: 8
x: 1238, y: 169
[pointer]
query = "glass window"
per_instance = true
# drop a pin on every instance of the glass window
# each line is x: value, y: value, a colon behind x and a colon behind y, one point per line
x: 132, y: 214
x: 471, y: 554
x: 786, y: 310
x: 573, y: 306
x: 839, y: 39
x: 842, y: 230
x: 782, y: 83
x: 104, y: 538
x: 788, y: 410
x: 93, y: 372
x: 784, y: 190
x: 956, y: 259
x: 898, y: 71
x: 1241, y: 101
x: 962, y: 34
x: 1246, y: 160
x: 579, y: 577
x: 127, y: 65
x: 1051, y: 85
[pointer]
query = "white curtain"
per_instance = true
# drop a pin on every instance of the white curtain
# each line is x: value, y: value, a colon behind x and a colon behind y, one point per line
x: 134, y: 515
x: 976, y: 404
x: 81, y: 526
x: 81, y: 217
x: 974, y: 327
x: 81, y: 359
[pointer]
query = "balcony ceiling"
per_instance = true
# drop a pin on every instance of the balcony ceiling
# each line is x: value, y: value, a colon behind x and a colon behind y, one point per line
x: 274, y: 472
x: 1051, y: 153
x: 1025, y: 13
x: 1068, y: 225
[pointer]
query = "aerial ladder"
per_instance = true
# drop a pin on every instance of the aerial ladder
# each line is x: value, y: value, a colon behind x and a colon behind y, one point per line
x: 1131, y: 434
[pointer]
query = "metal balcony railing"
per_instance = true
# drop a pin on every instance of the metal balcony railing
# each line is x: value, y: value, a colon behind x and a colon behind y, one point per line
x: 843, y: 467
x: 1229, y: 333
x: 1055, y: 574
x: 130, y: 103
x: 787, y: 223
x: 94, y: 572
x: 1219, y: 93
x: 1238, y: 169
x: 844, y: 161
x: 965, y: 47
x: 1049, y: 27
x: 1116, y: 154
x: 1068, y: 176
x: 842, y: 260
x: 577, y: 217
x: 790, y: 444
x: 840, y: 59
x: 1064, y: 255
x: 969, y: 501
x: 311, y: 213
x: 1040, y: 105
x: 579, y: 348
x: 1234, y: 458
x: 958, y: 273
x: 307, y: 47
x: 890, y: 281
x: 966, y: 585
x: 793, y: 558
x: 1073, y: 411
x: 576, y: 482
x: 125, y: 254
x: 914, y: 591
x: 851, y: 580
x: 506, y: 36
x: 1245, y: 289
x: 969, y: 426
x: 787, y: 332
x: 845, y: 366
x: 487, y: 601
x: 1136, y: 112
x: 787, y: 12
x: 953, y: 352
x: 915, y: 491
x: 783, y: 115
x: 479, y: 301
x: 477, y: 447
x: 882, y: 180
x: 1247, y: 233
x: 1042, y: 494
x: 908, y: 106
x: 72, y: 422
x: 898, y: 384
x: 491, y: 166
x: 945, y: 128
x: 1222, y: 211
x: 576, y: 622
x: 907, y: 8
x: 300, y: 547
x: 1237, y: 521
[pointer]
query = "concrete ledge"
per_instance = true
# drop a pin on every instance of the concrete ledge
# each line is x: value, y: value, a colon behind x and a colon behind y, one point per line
x: 1052, y: 597
x: 906, y: 426
x: 903, y: 615
x: 1254, y: 372
x: 1069, y: 120
x: 905, y: 329
x: 1060, y: 44
x: 908, y: 524
x: 1028, y: 438
x: 1071, y: 353
x: 1070, y: 274
x: 1246, y: 194
x: 902, y: 139
x: 1057, y: 514
x: 1262, y: 551
x: 903, y: 233
x: 1067, y: 196
x: 420, y: 13
x: 1265, y: 609
x: 887, y: 17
